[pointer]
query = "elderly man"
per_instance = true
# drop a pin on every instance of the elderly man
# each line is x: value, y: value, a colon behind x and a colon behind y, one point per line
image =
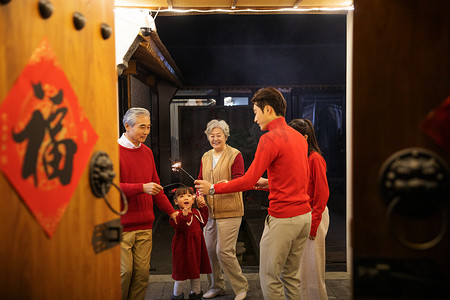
x: 140, y: 183
x: 283, y: 152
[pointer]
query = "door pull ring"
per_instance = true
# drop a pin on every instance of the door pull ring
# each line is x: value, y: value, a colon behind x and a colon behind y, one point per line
x: 414, y: 182
x: 101, y: 175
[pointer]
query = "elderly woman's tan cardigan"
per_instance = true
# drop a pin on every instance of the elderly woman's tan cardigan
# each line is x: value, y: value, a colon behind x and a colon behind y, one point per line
x: 225, y: 205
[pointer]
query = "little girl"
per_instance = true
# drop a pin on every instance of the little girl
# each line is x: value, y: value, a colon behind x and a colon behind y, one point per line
x: 189, y: 253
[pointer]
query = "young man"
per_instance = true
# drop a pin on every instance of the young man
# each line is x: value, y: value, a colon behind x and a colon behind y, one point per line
x: 283, y: 152
x: 140, y: 183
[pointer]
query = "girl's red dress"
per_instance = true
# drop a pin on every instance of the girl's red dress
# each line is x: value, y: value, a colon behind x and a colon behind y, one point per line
x: 189, y: 254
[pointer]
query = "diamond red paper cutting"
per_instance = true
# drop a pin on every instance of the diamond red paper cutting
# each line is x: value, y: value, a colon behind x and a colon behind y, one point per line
x: 437, y: 125
x: 46, y: 140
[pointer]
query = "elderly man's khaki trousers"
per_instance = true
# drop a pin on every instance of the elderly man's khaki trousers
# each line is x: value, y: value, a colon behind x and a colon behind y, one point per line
x: 135, y: 250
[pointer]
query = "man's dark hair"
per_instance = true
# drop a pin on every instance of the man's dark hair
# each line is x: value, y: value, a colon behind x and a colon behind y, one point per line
x: 270, y: 96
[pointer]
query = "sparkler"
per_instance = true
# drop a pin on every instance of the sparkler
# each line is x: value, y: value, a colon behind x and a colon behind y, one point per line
x: 177, y: 166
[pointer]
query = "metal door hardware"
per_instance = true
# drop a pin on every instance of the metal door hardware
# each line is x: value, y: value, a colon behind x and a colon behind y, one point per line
x: 45, y: 8
x: 101, y: 175
x: 415, y: 183
x: 106, y: 235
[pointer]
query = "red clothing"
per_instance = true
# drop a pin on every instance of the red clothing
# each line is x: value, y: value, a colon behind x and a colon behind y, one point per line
x: 236, y: 168
x: 137, y: 166
x: 318, y: 189
x: 283, y: 152
x: 189, y: 254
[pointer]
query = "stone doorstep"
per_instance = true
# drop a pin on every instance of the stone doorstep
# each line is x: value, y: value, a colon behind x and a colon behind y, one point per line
x: 252, y: 276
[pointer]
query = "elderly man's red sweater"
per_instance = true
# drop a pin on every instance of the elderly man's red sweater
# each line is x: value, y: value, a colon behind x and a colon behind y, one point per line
x: 283, y: 152
x: 137, y: 166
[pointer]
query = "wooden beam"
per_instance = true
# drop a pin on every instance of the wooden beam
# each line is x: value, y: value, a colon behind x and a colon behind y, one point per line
x: 131, y: 69
x: 297, y: 3
x: 150, y: 80
x: 128, y: 91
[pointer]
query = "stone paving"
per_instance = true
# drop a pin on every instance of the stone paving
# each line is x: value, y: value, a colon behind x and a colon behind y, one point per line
x: 161, y: 284
x: 160, y: 287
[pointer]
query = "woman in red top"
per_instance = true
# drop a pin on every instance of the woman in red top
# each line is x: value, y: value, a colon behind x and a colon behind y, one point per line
x: 312, y: 263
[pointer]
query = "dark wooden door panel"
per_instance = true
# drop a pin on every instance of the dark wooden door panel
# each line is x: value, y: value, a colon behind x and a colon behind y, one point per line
x: 400, y: 73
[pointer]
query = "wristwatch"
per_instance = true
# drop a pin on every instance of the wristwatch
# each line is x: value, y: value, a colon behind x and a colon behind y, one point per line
x: 212, y: 191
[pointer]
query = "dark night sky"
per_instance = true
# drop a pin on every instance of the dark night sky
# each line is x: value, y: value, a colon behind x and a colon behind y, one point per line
x: 245, y: 50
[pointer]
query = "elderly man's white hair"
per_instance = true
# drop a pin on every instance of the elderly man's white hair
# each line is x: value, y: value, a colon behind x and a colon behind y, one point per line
x: 134, y: 112
x: 218, y: 124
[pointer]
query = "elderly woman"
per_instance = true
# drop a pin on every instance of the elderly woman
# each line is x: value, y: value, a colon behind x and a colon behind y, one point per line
x: 219, y: 164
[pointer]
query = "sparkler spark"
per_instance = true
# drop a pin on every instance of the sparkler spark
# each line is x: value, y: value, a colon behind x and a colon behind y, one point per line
x: 177, y: 166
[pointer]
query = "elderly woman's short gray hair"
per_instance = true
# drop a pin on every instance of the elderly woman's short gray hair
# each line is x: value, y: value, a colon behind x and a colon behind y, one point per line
x: 217, y: 124
x: 134, y: 112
